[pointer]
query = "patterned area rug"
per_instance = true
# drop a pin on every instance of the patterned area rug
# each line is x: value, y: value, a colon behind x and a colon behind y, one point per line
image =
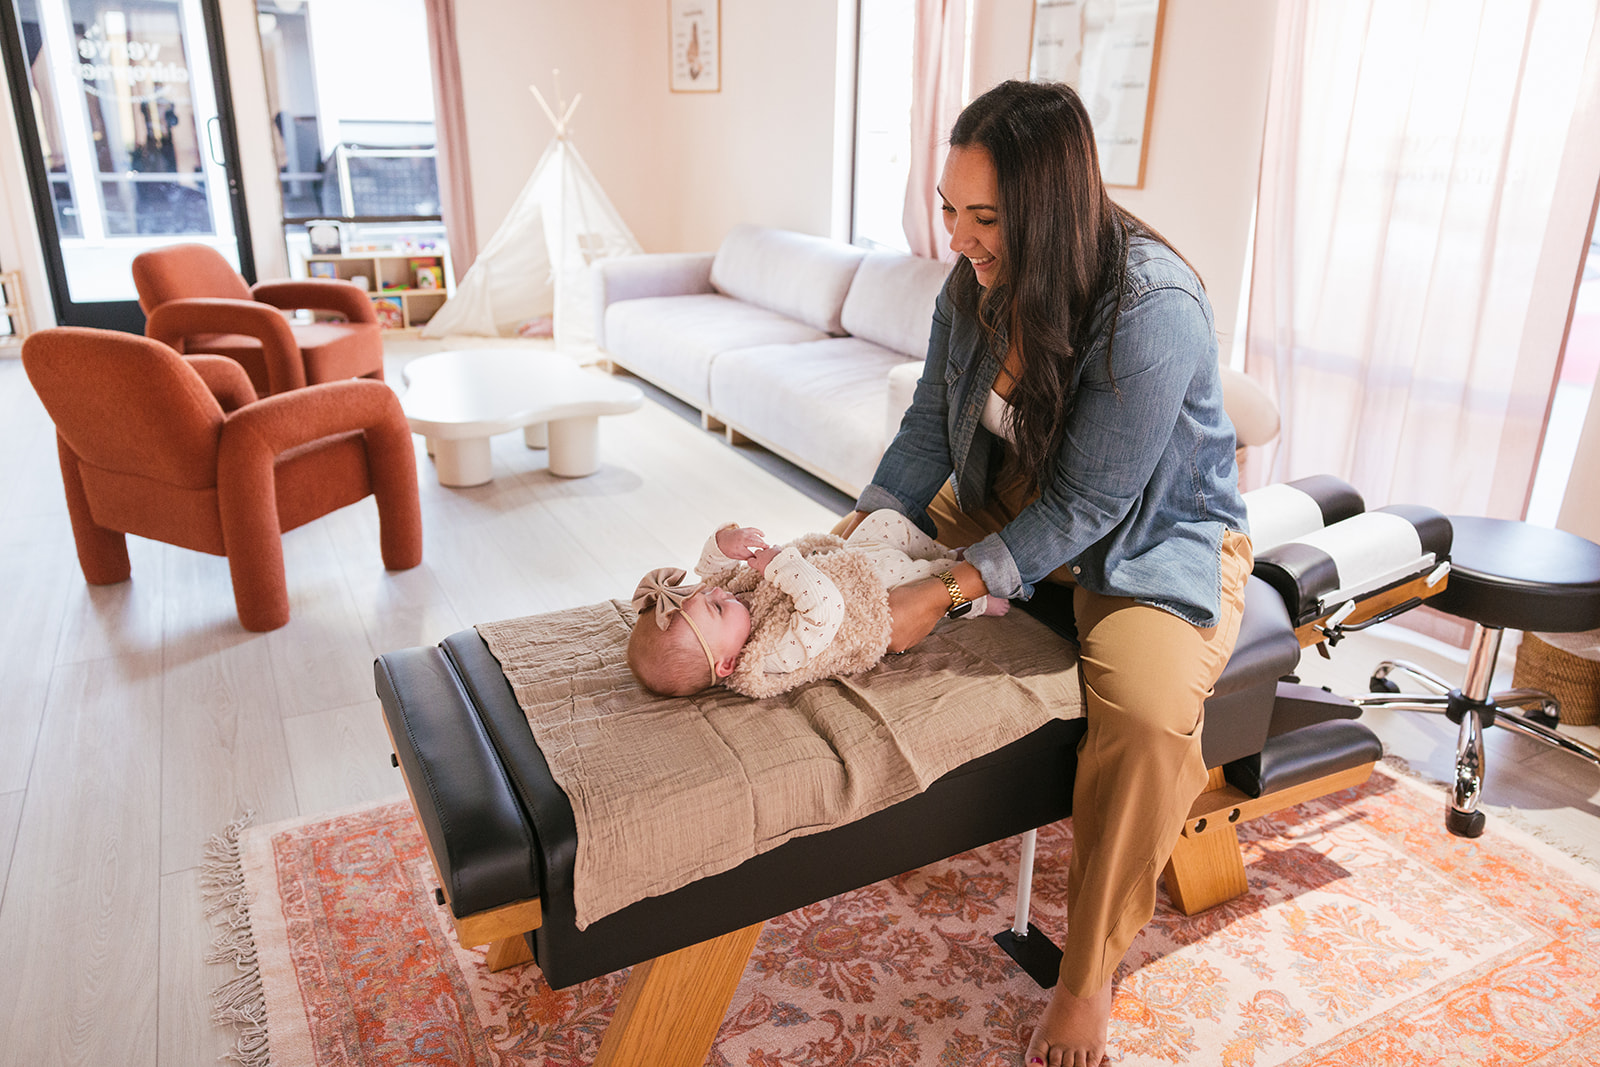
x: 1369, y: 936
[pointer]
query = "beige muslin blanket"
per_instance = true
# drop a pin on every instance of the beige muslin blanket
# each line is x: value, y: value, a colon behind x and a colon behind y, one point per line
x: 668, y: 791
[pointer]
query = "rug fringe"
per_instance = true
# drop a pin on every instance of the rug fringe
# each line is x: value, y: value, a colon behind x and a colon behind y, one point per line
x: 240, y: 1002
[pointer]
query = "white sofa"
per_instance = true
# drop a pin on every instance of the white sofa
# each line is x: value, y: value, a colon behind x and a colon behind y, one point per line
x: 806, y: 346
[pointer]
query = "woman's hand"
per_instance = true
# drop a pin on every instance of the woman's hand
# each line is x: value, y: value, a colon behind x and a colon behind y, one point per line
x: 916, y: 607
x: 847, y: 525
x: 740, y: 542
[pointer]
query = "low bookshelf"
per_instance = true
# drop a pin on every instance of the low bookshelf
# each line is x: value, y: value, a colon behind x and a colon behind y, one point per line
x: 406, y: 289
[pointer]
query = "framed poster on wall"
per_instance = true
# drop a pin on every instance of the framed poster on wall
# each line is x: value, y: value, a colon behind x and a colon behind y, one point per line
x: 1108, y: 50
x: 695, y: 28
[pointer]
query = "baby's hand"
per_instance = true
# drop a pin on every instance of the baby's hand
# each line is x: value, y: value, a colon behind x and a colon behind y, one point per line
x: 760, y: 560
x: 740, y: 542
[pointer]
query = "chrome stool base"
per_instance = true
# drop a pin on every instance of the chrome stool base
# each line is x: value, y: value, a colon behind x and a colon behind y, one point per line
x: 1475, y: 709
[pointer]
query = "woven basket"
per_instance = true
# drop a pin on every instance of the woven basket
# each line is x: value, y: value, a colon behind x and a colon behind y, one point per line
x: 1567, y: 666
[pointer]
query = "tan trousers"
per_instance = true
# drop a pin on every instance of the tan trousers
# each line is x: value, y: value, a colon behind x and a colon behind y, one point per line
x: 1146, y: 675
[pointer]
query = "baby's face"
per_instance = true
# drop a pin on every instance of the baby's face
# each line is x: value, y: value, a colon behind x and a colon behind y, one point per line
x: 723, y: 621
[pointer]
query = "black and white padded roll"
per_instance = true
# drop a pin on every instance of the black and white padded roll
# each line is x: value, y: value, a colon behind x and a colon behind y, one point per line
x: 1288, y: 511
x: 1355, y: 558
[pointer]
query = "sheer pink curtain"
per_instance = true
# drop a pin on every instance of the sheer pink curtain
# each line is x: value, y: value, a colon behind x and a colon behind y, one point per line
x: 938, y: 61
x: 1413, y: 212
x: 450, y: 122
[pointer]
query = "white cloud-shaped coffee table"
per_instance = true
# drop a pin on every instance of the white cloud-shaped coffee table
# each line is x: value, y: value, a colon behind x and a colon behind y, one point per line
x: 458, y: 400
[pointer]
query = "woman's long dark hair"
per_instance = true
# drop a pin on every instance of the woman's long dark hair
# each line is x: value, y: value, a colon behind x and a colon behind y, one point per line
x: 1065, y: 250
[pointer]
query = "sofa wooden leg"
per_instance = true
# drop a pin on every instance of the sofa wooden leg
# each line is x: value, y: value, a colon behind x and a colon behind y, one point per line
x: 1205, y: 869
x: 734, y: 437
x: 673, y: 1005
x: 711, y: 423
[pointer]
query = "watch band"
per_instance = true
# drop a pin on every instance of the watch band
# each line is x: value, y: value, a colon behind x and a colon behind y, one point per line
x: 953, y: 587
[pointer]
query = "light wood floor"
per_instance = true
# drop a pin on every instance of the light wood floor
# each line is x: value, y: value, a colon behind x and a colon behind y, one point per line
x: 136, y: 720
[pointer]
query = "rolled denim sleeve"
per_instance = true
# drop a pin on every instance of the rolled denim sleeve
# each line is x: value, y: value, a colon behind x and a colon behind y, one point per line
x: 917, y: 462
x: 1116, y: 435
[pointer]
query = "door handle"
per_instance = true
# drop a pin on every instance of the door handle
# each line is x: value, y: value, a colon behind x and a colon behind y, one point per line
x: 214, y: 140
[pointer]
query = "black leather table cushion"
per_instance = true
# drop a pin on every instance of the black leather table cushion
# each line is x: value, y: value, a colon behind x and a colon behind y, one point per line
x: 479, y: 835
x: 1304, y: 755
x: 1516, y: 576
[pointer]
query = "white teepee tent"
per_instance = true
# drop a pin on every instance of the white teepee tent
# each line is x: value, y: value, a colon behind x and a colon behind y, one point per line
x: 537, y: 264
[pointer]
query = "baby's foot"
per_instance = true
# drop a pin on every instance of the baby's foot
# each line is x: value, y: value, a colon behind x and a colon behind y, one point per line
x: 1072, y: 1031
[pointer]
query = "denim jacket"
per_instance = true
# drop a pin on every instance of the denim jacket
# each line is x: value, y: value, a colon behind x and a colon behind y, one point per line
x: 1146, y: 483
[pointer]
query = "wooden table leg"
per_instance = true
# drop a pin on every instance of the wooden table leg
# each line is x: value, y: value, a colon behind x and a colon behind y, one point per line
x: 673, y: 1005
x: 508, y: 952
x: 1205, y: 869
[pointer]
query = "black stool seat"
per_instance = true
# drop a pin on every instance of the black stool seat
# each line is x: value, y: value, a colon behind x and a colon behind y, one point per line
x: 1509, y: 575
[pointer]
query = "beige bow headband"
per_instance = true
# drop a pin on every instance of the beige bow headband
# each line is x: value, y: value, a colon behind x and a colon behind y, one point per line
x: 660, y: 590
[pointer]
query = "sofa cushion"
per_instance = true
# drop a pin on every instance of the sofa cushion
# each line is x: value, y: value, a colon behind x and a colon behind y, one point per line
x: 822, y: 402
x: 798, y: 275
x: 672, y: 340
x: 891, y: 301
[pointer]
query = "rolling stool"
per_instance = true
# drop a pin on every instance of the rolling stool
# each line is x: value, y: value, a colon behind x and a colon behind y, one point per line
x: 1505, y: 575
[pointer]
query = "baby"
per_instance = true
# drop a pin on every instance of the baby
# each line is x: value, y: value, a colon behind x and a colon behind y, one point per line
x: 767, y: 619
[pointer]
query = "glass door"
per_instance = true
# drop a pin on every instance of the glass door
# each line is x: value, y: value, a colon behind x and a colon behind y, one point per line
x: 127, y: 129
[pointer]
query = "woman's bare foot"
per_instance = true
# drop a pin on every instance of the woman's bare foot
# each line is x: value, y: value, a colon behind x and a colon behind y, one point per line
x: 1072, y: 1030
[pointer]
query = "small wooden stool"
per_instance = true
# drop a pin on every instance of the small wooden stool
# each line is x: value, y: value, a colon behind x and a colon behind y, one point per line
x: 1567, y: 666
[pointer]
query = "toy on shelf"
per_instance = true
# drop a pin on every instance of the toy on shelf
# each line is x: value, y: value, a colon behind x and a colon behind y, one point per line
x: 426, y: 273
x: 391, y: 316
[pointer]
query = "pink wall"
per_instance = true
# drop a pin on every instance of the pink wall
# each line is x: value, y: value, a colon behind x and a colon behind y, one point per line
x: 681, y: 168
x: 1205, y: 137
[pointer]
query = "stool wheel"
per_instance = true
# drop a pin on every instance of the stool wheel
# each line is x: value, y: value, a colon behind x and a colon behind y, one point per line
x: 1464, y: 823
x: 1381, y: 685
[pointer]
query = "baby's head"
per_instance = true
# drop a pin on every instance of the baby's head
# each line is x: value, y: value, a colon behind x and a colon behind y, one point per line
x: 687, y: 637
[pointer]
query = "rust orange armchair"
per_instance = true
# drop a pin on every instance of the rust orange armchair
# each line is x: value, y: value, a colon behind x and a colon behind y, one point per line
x: 177, y: 449
x: 197, y: 303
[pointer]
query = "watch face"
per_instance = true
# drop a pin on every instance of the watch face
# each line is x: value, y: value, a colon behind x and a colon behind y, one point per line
x: 960, y: 611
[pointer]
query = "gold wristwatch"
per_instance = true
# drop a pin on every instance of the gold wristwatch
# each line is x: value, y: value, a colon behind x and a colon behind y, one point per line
x: 958, y: 599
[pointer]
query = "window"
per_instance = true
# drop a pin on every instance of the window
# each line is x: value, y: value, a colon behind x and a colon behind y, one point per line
x: 883, y: 123
x: 1570, y: 405
x: 350, y: 86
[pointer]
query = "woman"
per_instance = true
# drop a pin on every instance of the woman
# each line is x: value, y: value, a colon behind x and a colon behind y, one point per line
x: 1072, y: 390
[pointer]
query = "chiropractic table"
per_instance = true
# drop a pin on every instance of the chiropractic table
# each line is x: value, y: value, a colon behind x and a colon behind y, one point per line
x: 502, y: 834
